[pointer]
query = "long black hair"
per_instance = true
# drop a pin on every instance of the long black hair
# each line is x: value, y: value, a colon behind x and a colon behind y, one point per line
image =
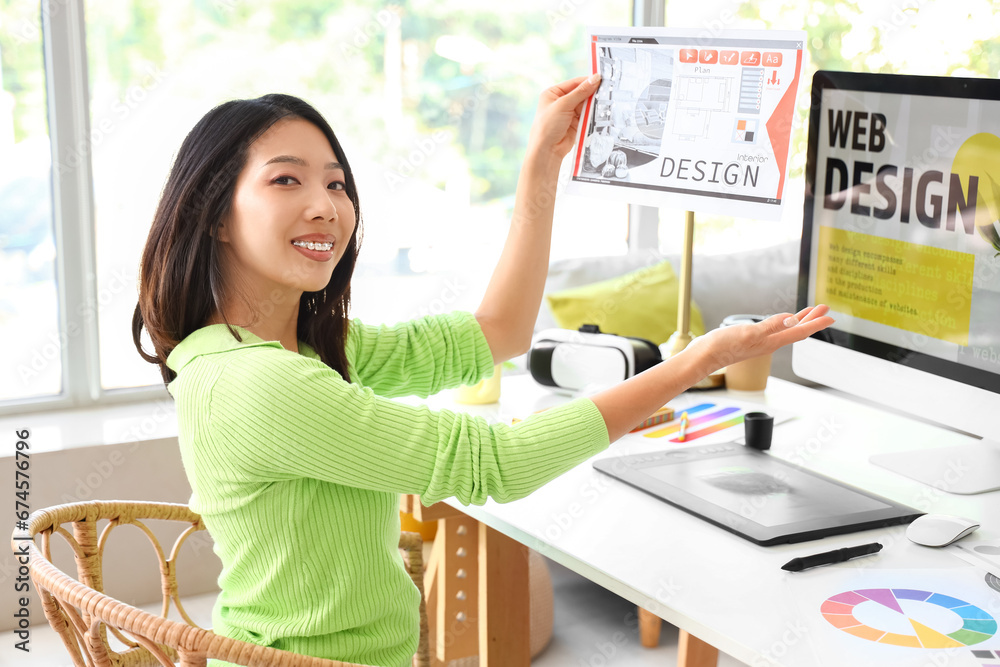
x: 180, y: 276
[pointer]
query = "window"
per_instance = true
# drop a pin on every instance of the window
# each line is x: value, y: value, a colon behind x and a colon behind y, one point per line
x: 432, y: 103
x: 29, y: 305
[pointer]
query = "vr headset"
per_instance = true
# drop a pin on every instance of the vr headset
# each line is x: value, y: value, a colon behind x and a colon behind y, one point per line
x: 571, y: 360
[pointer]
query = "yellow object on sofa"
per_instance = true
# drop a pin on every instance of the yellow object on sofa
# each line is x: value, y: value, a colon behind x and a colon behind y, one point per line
x: 641, y: 304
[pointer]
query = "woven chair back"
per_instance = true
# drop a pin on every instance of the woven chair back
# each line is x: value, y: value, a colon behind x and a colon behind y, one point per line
x: 83, y: 615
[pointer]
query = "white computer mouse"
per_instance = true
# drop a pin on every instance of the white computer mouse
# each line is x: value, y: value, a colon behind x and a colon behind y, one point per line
x: 938, y: 530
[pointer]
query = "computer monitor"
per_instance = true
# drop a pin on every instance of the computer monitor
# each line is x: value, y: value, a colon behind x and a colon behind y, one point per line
x: 901, y: 238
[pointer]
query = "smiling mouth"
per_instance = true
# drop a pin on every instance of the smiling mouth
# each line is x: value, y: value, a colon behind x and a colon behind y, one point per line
x: 310, y: 245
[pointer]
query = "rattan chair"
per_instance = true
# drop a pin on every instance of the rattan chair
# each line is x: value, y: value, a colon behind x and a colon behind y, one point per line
x: 82, y: 614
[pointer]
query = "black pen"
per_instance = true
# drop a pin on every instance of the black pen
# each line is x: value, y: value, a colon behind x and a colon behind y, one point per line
x: 830, y: 557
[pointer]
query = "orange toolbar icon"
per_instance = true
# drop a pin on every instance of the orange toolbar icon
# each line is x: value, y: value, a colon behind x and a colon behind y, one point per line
x: 750, y: 58
x: 708, y: 56
x: 729, y: 57
x: 772, y: 59
x: 689, y: 55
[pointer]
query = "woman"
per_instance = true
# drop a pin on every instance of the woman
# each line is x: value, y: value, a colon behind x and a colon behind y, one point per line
x: 296, y: 459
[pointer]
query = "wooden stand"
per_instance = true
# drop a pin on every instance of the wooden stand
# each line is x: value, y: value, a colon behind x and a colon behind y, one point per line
x: 504, y: 608
x: 477, y: 590
x: 477, y: 596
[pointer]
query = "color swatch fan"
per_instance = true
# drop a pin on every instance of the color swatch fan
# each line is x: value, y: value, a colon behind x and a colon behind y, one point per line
x: 706, y: 418
x: 907, y: 617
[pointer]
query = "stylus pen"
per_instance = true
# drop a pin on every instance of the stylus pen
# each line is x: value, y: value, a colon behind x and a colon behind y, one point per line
x: 830, y: 557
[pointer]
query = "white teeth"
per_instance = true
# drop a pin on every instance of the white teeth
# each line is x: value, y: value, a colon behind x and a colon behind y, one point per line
x: 313, y: 246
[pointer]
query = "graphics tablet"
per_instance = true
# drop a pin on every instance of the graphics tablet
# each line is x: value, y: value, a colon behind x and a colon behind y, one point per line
x: 755, y: 495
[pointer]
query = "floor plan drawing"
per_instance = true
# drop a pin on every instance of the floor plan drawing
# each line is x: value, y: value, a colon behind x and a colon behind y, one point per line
x: 697, y: 97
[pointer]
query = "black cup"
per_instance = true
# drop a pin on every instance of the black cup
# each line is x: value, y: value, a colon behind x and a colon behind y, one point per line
x: 758, y: 427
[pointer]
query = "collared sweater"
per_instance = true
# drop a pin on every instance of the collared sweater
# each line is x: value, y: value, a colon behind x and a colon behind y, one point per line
x: 297, y: 474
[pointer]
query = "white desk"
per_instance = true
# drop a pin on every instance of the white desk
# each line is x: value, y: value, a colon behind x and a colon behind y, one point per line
x: 720, y: 587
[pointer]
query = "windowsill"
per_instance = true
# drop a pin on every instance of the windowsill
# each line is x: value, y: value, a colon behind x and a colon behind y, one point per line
x: 58, y: 430
x: 105, y: 425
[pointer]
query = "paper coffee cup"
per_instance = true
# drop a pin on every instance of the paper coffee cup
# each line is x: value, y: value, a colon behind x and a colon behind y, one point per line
x: 750, y: 374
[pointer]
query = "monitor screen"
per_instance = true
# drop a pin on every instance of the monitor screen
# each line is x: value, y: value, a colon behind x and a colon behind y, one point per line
x: 901, y: 239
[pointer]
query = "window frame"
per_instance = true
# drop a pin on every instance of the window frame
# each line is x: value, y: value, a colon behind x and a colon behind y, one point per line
x: 68, y: 102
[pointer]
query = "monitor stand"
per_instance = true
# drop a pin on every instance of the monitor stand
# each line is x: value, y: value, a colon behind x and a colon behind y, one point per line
x: 961, y: 469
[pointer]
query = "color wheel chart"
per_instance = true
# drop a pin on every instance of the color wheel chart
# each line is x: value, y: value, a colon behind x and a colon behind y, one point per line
x: 908, y: 617
x: 703, y: 419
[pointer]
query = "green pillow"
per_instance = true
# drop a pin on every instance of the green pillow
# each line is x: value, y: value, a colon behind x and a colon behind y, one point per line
x: 641, y: 304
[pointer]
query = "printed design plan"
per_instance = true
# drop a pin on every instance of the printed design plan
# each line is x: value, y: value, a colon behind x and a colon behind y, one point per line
x: 685, y: 120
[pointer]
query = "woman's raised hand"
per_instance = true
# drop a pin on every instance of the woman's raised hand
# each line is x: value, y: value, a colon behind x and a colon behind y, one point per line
x: 558, y: 116
x: 731, y: 344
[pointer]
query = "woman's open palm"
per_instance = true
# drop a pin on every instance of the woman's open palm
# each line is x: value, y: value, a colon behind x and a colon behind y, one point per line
x: 732, y: 344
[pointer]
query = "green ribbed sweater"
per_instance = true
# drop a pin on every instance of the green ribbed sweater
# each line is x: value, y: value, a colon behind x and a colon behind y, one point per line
x: 297, y: 474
